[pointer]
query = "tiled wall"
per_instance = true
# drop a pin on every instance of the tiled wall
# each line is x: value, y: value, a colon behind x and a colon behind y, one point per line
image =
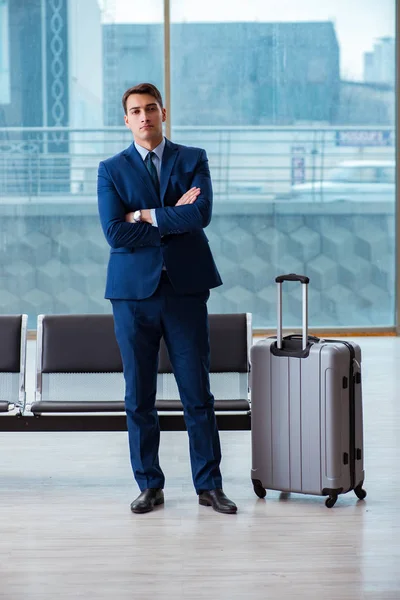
x: 54, y: 256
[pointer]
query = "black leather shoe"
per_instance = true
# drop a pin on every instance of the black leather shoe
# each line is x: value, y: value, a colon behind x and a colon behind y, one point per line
x: 218, y: 500
x: 147, y: 500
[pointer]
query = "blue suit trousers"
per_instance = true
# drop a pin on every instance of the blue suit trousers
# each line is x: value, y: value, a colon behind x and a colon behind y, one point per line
x: 182, y: 320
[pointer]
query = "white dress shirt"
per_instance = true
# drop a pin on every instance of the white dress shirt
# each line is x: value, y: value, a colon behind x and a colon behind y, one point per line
x: 158, y: 151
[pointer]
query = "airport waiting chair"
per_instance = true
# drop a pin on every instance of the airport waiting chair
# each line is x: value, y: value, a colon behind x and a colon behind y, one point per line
x: 79, y: 370
x: 13, y: 340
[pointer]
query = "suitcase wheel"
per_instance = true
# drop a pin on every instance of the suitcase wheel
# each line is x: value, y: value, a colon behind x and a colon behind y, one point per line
x: 259, y: 490
x: 359, y: 492
x: 331, y: 501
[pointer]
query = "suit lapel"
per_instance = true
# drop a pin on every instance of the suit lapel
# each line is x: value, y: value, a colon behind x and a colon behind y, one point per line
x: 134, y: 159
x: 168, y: 160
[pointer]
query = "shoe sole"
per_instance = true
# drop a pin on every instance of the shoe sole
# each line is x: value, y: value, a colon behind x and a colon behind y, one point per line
x: 223, y: 512
x: 146, y: 510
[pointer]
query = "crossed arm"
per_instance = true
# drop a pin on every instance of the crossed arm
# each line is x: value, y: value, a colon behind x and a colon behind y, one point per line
x: 188, y: 198
x: 112, y: 211
x: 191, y: 212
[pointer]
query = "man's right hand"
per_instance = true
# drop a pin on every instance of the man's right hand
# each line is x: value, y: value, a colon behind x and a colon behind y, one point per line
x: 189, y: 197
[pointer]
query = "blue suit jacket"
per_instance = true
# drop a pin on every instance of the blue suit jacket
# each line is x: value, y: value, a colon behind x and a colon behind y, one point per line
x: 139, y: 250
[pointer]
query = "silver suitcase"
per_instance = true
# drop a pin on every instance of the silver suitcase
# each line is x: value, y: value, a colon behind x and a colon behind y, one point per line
x: 306, y: 412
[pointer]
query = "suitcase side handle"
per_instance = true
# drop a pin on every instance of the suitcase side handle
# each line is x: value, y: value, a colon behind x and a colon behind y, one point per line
x: 304, y: 282
x: 292, y: 277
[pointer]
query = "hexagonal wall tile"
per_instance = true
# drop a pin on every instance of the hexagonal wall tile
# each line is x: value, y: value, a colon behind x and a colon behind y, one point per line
x: 237, y: 244
x: 70, y: 247
x: 238, y: 299
x: 98, y: 250
x: 37, y: 302
x: 383, y: 272
x: 10, y: 304
x: 53, y: 276
x: 265, y: 307
x: 255, y: 273
x: 337, y: 243
x: 20, y: 277
x: 354, y: 272
x: 371, y: 244
x: 86, y: 276
x: 287, y: 263
x: 270, y: 243
x: 304, y: 243
x: 288, y: 223
x: 343, y: 305
x: 228, y: 270
x: 323, y: 272
x: 71, y: 301
x: 35, y: 248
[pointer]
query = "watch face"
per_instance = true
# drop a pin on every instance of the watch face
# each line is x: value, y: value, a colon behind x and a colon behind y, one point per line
x: 136, y: 215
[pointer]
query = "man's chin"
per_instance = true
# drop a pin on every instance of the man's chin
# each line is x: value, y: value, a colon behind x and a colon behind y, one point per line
x: 147, y: 134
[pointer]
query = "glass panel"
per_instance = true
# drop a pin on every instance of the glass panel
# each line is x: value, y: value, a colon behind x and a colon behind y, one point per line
x: 387, y: 175
x: 294, y: 104
x: 4, y: 54
x: 68, y: 63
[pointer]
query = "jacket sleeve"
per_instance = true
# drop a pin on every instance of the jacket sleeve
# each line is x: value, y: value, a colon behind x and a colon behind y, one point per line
x: 189, y: 217
x: 118, y: 233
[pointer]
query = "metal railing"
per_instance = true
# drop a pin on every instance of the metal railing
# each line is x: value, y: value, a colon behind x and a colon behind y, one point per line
x: 261, y: 163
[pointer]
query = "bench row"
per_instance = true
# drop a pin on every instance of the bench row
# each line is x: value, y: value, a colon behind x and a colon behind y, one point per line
x: 79, y: 368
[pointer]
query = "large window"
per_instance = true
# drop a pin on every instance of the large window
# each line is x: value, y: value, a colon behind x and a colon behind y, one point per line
x: 70, y: 62
x: 293, y: 103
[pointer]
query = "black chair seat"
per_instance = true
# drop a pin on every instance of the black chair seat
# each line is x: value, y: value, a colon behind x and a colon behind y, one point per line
x: 162, y: 405
x: 219, y: 405
x: 75, y: 407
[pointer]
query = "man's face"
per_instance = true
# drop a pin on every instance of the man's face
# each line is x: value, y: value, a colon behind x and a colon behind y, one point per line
x: 144, y: 118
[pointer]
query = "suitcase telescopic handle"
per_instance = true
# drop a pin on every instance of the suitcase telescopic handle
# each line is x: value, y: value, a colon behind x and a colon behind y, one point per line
x: 304, y: 281
x: 292, y: 277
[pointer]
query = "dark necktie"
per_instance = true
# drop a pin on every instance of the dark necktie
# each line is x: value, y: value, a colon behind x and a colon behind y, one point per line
x: 148, y: 161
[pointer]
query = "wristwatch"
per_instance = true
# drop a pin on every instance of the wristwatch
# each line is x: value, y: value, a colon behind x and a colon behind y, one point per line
x: 137, y: 215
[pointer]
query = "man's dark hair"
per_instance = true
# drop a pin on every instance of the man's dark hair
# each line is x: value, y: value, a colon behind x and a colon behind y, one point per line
x: 142, y: 88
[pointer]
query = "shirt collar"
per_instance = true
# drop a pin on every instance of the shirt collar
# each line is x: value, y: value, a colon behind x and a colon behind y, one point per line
x: 158, y: 150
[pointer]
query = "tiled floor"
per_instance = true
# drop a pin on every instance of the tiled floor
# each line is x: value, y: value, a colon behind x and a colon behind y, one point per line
x: 66, y: 530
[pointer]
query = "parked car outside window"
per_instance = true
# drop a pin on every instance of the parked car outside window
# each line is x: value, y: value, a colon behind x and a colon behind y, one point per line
x: 351, y: 181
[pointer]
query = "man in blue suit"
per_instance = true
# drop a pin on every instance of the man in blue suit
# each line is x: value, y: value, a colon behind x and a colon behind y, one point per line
x: 155, y: 199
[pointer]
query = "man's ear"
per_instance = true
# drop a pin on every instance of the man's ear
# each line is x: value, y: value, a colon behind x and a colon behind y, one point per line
x: 126, y: 120
x: 164, y: 115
